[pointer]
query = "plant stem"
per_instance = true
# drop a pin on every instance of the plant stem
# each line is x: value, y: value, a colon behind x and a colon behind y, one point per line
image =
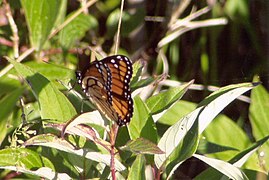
x: 113, y: 135
x: 118, y: 31
x: 19, y: 59
x: 14, y: 29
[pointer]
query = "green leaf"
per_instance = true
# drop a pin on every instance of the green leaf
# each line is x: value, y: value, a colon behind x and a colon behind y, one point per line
x: 175, y: 112
x: 142, y: 146
x: 226, y: 138
x: 29, y: 162
x: 165, y: 99
x: 137, y: 170
x: 61, y: 13
x: 43, y: 172
x: 142, y: 83
x: 40, y: 17
x: 218, y: 100
x: 227, y: 89
x: 237, y: 161
x: 186, y: 147
x: 52, y: 141
x: 241, y: 158
x: 22, y: 157
x: 258, y: 114
x: 53, y: 104
x: 224, y: 167
x: 142, y: 124
x: 7, y: 103
x: 107, y: 6
x: 137, y: 70
x: 51, y: 71
x: 180, y: 137
x: 8, y: 84
x: 136, y: 82
x: 76, y: 29
x: 207, y: 147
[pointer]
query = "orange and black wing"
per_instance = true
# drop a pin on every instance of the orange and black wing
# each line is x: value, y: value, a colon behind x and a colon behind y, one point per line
x: 106, y: 83
x: 121, y: 74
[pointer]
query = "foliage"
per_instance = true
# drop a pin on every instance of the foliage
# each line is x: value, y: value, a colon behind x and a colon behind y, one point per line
x: 44, y: 134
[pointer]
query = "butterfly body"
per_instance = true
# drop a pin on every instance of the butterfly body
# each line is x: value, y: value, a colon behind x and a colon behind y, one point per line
x: 106, y: 83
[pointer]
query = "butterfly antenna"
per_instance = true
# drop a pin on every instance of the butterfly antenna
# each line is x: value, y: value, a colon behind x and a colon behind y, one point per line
x: 118, y: 31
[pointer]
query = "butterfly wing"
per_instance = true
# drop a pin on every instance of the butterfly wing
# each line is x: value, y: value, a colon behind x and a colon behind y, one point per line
x: 106, y: 83
x: 121, y: 74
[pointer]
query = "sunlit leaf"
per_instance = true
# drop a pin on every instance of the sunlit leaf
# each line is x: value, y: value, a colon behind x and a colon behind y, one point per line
x: 53, y: 104
x: 224, y: 167
x: 142, y: 124
x: 226, y: 138
x: 174, y: 138
x: 137, y: 170
x: 52, y: 141
x: 165, y: 99
x: 7, y: 103
x: 23, y: 157
x: 76, y: 29
x: 142, y: 146
x: 40, y: 17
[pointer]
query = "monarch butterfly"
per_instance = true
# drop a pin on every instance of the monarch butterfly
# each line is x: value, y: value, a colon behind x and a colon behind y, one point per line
x: 107, y: 84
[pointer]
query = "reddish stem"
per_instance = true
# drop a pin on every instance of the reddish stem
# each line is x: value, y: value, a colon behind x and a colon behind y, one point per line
x: 113, y: 135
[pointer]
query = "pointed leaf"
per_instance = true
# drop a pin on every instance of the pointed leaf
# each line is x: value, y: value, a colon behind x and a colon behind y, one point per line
x: 137, y: 170
x: 226, y: 138
x: 165, y: 99
x: 142, y: 124
x: 245, y: 155
x: 142, y: 83
x: 7, y: 103
x: 259, y: 119
x: 142, y: 146
x: 137, y: 70
x: 43, y: 172
x: 224, y: 167
x: 40, y: 17
x: 53, y: 104
x: 173, y: 138
x: 51, y: 71
x: 22, y: 157
x: 207, y: 147
x: 237, y: 161
x: 174, y: 113
x: 218, y: 100
x: 76, y: 29
x: 52, y: 141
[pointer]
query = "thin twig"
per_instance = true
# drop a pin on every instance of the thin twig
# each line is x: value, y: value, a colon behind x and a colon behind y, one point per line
x: 71, y: 18
x: 118, y: 30
x: 180, y: 9
x: 113, y: 135
x: 200, y: 87
x: 20, y: 58
x: 188, y: 19
x: 6, y: 42
x: 14, y: 29
x: 190, y: 26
